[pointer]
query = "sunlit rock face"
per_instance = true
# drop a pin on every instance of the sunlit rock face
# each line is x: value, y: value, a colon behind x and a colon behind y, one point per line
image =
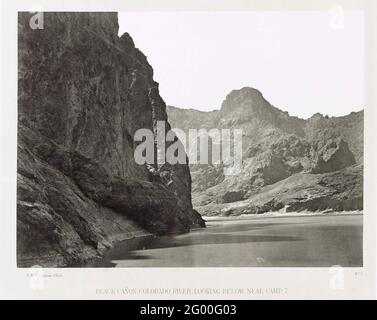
x: 278, y: 148
x: 82, y: 94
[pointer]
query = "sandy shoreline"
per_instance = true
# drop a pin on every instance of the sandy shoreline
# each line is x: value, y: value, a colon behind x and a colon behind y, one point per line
x: 279, y: 214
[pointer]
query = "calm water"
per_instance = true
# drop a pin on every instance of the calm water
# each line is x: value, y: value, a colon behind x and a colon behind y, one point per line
x: 261, y: 242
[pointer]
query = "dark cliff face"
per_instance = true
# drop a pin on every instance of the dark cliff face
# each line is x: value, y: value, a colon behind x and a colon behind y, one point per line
x: 83, y: 92
x: 276, y: 148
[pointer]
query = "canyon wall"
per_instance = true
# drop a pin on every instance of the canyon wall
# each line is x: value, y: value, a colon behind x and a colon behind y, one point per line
x: 83, y: 91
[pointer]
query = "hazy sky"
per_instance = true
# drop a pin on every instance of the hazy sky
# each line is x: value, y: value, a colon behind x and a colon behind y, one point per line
x: 302, y: 62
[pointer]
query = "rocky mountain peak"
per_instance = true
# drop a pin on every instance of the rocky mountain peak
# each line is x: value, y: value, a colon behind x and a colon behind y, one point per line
x: 243, y: 93
x: 278, y: 147
x: 317, y: 117
x: 247, y: 98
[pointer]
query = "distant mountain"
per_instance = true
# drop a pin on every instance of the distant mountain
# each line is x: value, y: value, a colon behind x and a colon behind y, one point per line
x: 278, y: 149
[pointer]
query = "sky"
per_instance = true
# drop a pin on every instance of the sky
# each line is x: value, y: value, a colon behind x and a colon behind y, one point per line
x: 303, y: 62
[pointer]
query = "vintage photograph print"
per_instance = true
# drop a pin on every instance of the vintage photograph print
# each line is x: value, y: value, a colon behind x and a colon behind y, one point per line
x: 190, y: 139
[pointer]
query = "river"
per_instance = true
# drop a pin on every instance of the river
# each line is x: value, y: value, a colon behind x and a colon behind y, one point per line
x: 284, y: 241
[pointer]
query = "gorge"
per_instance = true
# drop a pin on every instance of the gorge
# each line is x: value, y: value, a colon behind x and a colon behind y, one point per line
x: 83, y: 93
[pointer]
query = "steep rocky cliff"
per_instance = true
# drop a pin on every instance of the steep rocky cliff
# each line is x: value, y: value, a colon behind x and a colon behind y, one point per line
x: 278, y: 150
x: 82, y: 94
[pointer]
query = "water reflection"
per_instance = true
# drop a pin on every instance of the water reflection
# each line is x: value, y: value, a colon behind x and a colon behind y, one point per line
x: 288, y: 241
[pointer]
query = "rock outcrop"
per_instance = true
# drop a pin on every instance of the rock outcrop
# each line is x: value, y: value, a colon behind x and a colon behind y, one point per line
x: 276, y: 148
x: 331, y: 155
x: 83, y: 93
